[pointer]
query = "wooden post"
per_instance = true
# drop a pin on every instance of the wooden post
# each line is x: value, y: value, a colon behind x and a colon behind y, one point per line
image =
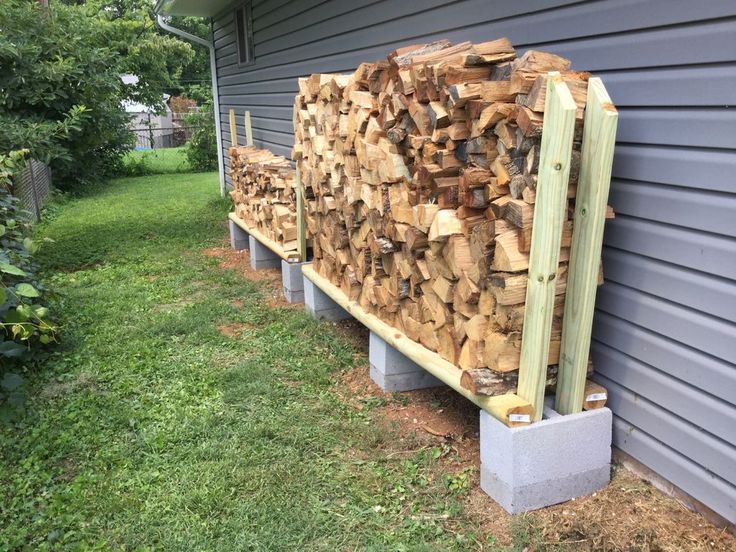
x: 301, y: 229
x: 599, y: 136
x: 248, y: 130
x: 594, y: 396
x: 549, y: 216
x: 233, y: 129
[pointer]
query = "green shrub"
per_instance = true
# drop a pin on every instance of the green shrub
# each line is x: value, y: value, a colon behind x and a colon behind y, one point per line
x: 202, y: 147
x: 25, y: 326
x: 136, y: 165
x: 61, y: 95
x: 60, y: 91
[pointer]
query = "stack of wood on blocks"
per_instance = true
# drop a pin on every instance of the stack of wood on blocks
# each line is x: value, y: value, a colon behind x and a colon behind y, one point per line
x: 419, y: 173
x: 263, y: 193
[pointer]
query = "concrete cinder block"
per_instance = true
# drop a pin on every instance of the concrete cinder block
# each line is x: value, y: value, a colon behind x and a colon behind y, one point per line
x: 551, y: 461
x: 261, y: 256
x: 239, y: 238
x: 320, y: 305
x: 392, y: 371
x: 292, y: 281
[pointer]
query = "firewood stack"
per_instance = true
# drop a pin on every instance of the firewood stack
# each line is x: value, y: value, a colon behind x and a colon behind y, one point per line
x: 264, y: 187
x: 419, y: 173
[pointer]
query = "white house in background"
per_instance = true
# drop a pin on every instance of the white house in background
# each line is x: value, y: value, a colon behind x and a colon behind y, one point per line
x: 152, y: 130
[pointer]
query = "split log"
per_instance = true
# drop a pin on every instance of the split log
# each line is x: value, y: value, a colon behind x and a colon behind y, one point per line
x: 420, y: 176
x: 264, y: 193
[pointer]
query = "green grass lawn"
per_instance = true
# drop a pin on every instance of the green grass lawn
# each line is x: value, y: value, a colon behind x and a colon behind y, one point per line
x: 148, y: 429
x: 158, y: 161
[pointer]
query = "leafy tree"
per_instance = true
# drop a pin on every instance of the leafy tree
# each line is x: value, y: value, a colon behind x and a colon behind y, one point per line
x: 60, y: 91
x: 163, y: 62
x: 195, y: 75
x: 61, y: 95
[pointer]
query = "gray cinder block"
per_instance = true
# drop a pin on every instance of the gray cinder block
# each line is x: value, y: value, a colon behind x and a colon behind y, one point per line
x: 551, y: 461
x: 239, y: 238
x: 261, y: 256
x: 293, y: 281
x: 392, y: 371
x: 320, y: 305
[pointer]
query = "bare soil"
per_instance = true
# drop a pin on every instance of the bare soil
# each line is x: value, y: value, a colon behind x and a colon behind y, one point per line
x: 629, y: 514
x: 240, y: 262
x: 232, y: 330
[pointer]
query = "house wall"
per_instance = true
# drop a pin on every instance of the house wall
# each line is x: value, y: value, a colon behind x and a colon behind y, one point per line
x: 664, y: 341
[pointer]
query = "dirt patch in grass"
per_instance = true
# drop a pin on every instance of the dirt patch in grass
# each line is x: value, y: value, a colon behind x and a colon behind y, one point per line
x: 438, y: 415
x: 81, y: 267
x: 357, y: 334
x: 68, y: 472
x: 629, y: 514
x: 58, y: 389
x: 233, y: 330
x: 270, y: 278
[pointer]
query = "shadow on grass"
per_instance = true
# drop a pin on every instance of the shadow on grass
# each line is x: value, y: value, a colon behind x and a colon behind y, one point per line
x: 101, y: 226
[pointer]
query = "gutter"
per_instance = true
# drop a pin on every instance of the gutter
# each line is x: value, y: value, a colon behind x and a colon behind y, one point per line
x: 215, y: 91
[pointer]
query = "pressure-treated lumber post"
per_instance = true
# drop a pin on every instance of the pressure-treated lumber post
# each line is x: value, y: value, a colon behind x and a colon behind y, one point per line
x: 599, y: 136
x: 233, y: 129
x: 248, y: 130
x: 301, y: 230
x: 549, y: 216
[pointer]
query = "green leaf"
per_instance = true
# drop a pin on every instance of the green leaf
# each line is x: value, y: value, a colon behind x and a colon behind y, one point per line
x: 30, y: 245
x: 22, y: 331
x: 26, y: 290
x: 3, y: 296
x: 11, y: 269
x: 24, y: 311
x: 11, y: 382
x: 11, y: 349
x: 45, y: 339
x: 39, y: 311
x: 2, y: 229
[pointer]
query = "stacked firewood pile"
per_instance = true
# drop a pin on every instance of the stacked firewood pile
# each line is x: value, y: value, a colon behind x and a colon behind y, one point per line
x: 264, y: 193
x: 420, y: 173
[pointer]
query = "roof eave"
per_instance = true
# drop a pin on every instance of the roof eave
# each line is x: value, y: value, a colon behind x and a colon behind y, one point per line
x: 193, y: 8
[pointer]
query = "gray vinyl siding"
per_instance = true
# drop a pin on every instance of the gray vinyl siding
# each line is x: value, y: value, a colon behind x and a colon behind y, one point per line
x: 664, y: 341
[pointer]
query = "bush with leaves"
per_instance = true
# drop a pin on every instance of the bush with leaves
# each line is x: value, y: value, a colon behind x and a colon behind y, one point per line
x: 61, y: 95
x: 25, y: 326
x: 202, y: 146
x: 58, y: 74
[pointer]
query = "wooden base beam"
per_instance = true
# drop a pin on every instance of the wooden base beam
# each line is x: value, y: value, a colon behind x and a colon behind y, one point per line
x: 291, y: 256
x: 509, y: 409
